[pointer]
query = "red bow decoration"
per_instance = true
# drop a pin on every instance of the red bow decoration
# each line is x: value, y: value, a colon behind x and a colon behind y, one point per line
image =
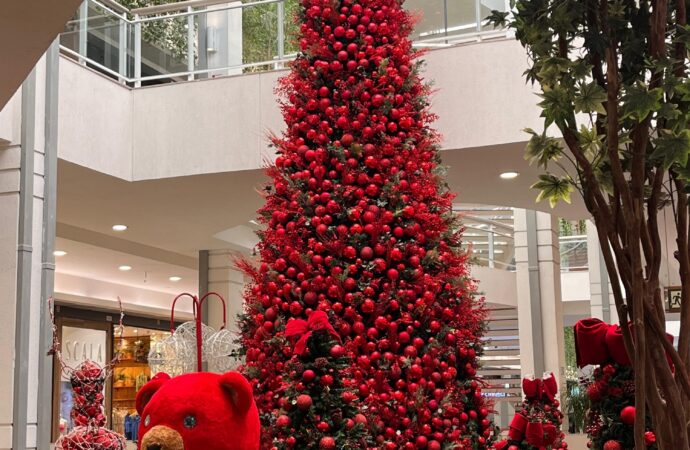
x: 318, y: 321
x: 500, y: 445
x: 597, y: 342
x: 518, y: 425
x: 534, y: 389
x: 536, y: 434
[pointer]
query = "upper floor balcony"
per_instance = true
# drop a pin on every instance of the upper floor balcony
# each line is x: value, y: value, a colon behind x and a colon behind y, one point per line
x: 199, y: 39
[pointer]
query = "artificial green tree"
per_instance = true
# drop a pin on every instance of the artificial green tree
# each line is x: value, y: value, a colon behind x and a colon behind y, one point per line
x: 613, y: 79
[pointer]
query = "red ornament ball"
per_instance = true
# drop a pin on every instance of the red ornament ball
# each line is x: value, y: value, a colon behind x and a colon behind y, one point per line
x: 283, y: 421
x: 613, y: 445
x: 304, y: 402
x: 628, y: 415
x: 649, y: 438
x: 327, y: 443
x: 337, y: 351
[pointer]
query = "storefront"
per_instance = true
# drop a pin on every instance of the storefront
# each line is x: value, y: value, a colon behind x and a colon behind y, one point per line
x: 95, y: 335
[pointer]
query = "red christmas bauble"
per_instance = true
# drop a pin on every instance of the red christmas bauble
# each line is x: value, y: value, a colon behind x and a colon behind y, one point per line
x: 283, y: 421
x: 613, y: 445
x: 628, y: 415
x: 308, y: 375
x: 327, y: 443
x: 649, y: 438
x: 304, y: 402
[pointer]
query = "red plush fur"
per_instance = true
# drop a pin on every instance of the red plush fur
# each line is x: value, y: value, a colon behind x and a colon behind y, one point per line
x: 222, y: 406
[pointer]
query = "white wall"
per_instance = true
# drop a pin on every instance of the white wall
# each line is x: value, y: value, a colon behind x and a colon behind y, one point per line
x: 575, y: 286
x: 497, y: 285
x: 222, y: 124
x: 95, y: 121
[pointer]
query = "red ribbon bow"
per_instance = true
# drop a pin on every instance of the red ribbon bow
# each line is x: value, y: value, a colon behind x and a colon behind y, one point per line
x: 597, y: 342
x: 318, y: 321
x: 535, y: 389
x: 536, y: 434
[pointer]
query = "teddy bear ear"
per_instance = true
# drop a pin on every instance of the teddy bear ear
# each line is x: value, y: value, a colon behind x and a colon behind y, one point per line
x: 146, y: 392
x: 239, y: 389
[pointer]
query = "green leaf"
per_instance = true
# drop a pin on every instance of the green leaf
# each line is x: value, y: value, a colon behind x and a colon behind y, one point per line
x: 683, y: 34
x: 638, y: 102
x: 542, y: 149
x: 557, y: 107
x: 553, y: 189
x: 590, y: 98
x: 673, y: 148
x: 590, y: 142
x: 498, y: 19
x: 669, y: 111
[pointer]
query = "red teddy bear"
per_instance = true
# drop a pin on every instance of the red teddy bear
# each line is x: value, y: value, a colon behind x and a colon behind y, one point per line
x: 198, y: 411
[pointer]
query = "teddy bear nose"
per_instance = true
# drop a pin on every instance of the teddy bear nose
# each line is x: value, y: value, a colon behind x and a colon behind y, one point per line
x: 153, y: 447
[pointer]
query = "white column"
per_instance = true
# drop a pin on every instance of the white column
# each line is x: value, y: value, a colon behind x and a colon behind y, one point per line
x: 602, y: 303
x: 229, y: 282
x: 540, y: 309
x: 21, y: 241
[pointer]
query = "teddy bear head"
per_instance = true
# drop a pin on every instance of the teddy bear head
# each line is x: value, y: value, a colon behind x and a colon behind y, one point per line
x: 198, y: 411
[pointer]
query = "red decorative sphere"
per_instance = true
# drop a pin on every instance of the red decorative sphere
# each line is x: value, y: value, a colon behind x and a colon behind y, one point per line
x: 327, y: 443
x: 628, y: 415
x: 613, y: 445
x: 283, y: 421
x: 304, y: 402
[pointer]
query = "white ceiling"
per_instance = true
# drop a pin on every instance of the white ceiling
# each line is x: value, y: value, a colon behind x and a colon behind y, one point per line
x: 98, y: 263
x: 170, y: 220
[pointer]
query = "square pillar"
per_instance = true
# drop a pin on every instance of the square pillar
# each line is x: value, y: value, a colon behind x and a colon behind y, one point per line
x: 540, y: 308
x: 227, y: 281
x: 602, y: 303
x: 23, y: 265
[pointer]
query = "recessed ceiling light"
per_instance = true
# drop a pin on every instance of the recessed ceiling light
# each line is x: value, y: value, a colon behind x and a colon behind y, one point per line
x: 119, y: 227
x: 125, y: 268
x: 509, y: 175
x: 175, y: 279
x: 59, y: 253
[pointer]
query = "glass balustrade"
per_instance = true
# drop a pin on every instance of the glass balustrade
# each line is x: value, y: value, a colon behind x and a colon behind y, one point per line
x: 489, y: 246
x: 151, y: 46
x: 573, y: 253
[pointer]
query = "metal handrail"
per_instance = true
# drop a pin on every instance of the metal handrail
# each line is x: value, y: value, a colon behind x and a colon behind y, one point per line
x: 189, y: 9
x: 114, y: 6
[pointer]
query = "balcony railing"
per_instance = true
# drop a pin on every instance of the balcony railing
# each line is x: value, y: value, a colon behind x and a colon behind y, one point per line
x: 573, y: 251
x: 488, y: 235
x: 207, y: 38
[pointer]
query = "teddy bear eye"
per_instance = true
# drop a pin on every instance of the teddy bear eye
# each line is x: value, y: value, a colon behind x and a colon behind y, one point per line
x: 190, y: 421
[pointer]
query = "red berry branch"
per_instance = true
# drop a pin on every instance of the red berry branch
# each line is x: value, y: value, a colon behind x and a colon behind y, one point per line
x: 359, y: 224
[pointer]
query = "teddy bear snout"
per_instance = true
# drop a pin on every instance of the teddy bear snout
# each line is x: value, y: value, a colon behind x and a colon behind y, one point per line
x: 161, y: 437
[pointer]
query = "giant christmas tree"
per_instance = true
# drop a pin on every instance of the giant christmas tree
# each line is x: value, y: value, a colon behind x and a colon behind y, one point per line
x: 359, y: 224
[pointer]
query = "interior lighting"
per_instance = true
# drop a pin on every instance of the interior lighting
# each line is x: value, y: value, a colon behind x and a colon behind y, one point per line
x: 175, y: 279
x: 59, y: 253
x: 125, y: 268
x: 509, y: 175
x: 119, y: 227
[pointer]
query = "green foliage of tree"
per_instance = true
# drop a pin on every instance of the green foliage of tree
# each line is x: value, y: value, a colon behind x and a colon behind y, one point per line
x: 260, y: 35
x: 167, y: 34
x: 613, y: 81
